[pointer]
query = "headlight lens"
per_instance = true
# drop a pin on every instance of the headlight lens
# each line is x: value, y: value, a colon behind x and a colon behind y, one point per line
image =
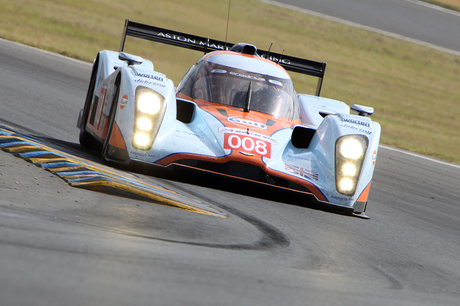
x: 350, y: 151
x: 346, y: 184
x: 141, y: 139
x: 149, y: 112
x: 144, y: 124
x: 351, y: 148
x: 349, y: 169
x: 149, y: 103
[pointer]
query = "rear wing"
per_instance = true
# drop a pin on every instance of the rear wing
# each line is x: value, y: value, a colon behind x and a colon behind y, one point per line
x: 205, y: 44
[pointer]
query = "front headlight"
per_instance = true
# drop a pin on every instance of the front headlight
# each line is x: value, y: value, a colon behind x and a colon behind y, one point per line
x: 144, y: 124
x: 351, y: 148
x: 150, y: 108
x: 141, y: 139
x: 148, y: 103
x: 350, y: 151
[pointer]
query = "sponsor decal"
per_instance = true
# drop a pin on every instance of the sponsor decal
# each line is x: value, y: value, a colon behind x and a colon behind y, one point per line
x: 357, y: 129
x: 215, y: 46
x: 355, y: 121
x: 246, y: 76
x: 305, y: 173
x: 146, y: 82
x: 100, y: 106
x: 124, y: 101
x: 247, y: 123
x: 246, y: 132
x: 145, y: 155
x: 338, y: 198
x: 192, y: 41
x: 147, y: 75
x: 277, y: 60
x: 247, y: 144
x: 107, y: 102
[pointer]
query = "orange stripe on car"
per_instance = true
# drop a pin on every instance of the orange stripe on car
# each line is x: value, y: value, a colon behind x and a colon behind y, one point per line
x: 365, y: 194
x: 116, y: 139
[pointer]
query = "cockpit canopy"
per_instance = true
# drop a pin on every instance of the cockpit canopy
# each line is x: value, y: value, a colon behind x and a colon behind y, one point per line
x: 242, y: 82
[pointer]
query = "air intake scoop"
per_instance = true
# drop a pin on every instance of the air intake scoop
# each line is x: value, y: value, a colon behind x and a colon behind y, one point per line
x: 244, y: 48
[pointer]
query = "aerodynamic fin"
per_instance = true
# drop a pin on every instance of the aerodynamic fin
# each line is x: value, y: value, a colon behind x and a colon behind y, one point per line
x: 205, y: 44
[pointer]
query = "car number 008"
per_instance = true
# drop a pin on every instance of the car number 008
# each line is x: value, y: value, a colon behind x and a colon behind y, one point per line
x: 247, y: 144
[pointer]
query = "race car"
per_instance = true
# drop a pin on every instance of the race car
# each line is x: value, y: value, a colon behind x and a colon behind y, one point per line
x: 236, y: 113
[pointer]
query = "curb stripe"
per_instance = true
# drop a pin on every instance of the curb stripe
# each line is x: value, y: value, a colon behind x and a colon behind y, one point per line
x: 82, y: 173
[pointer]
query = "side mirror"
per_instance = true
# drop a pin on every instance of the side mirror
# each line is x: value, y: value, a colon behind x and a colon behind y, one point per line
x: 131, y: 59
x: 362, y: 110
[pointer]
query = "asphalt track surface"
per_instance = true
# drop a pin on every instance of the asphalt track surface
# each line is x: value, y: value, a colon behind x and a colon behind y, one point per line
x: 415, y: 20
x: 66, y: 246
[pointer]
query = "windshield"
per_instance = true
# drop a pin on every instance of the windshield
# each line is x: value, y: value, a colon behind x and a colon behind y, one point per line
x: 240, y: 88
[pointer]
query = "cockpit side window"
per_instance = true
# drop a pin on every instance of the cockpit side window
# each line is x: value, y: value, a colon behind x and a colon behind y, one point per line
x: 185, y: 85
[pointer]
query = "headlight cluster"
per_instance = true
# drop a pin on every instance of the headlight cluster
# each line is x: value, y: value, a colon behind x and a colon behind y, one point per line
x: 350, y: 151
x: 150, y: 108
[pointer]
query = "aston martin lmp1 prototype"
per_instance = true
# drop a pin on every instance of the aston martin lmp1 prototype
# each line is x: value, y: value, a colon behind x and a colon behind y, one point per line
x: 235, y: 112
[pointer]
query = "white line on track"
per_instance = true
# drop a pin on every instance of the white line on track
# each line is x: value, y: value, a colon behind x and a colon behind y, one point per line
x: 441, y: 162
x: 44, y: 51
x: 357, y: 25
x: 435, y: 7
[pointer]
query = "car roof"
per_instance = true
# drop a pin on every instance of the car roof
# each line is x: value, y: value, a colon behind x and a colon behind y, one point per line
x: 250, y: 63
